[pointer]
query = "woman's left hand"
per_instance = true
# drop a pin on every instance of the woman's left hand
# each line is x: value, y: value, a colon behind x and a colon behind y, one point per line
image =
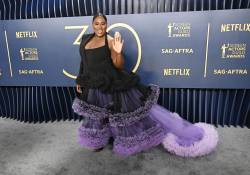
x: 118, y: 43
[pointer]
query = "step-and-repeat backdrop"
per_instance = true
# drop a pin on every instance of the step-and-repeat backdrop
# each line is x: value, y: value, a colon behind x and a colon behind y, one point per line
x: 208, y: 49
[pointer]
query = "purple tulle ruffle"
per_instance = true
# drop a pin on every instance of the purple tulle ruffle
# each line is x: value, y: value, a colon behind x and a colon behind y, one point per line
x: 118, y: 119
x: 205, y: 146
x: 187, y: 132
x: 129, y: 145
x: 88, y: 110
x: 128, y: 118
x: 148, y: 125
x: 93, y: 138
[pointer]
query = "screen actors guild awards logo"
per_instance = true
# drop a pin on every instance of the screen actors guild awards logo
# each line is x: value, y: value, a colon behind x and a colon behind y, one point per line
x: 179, y: 29
x: 233, y: 50
x: 28, y: 53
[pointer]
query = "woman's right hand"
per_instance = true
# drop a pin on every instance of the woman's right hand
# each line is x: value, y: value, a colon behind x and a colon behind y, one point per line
x: 78, y: 88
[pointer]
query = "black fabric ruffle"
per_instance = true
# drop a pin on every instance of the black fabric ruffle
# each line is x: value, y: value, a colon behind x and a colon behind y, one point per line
x: 108, y: 80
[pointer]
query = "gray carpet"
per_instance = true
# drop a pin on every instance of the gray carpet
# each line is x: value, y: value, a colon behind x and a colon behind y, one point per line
x: 51, y: 149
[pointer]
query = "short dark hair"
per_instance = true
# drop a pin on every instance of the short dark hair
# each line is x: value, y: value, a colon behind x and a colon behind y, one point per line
x: 99, y: 14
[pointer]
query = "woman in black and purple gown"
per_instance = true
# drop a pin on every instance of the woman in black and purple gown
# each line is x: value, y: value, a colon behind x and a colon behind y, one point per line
x: 115, y: 104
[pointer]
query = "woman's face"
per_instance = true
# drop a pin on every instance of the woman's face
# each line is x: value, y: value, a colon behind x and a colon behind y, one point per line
x: 99, y: 26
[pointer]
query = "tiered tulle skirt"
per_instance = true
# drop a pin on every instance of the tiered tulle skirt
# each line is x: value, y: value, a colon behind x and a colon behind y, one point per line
x: 139, y: 125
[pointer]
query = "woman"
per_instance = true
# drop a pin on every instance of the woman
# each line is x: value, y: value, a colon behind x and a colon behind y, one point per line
x: 115, y: 104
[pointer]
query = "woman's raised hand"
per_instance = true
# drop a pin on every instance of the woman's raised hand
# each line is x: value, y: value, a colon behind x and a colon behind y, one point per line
x: 118, y: 43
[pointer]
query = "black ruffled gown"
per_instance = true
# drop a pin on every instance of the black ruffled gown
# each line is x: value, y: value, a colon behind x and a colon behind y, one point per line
x: 115, y: 104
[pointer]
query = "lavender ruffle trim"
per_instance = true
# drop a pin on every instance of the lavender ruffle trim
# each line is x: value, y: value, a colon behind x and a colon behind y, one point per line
x: 125, y: 146
x: 199, y: 148
x: 129, y: 118
x: 93, y: 138
x: 118, y: 119
x: 88, y: 110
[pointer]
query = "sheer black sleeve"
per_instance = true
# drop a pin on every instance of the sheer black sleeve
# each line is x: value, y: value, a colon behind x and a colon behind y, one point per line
x: 80, y: 72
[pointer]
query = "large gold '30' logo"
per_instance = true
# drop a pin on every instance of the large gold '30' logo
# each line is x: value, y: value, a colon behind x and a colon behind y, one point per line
x: 84, y: 29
